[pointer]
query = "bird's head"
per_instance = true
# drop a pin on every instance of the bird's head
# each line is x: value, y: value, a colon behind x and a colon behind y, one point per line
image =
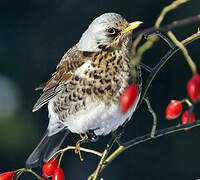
x: 108, y: 29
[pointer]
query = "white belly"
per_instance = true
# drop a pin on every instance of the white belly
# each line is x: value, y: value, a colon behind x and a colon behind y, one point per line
x: 97, y: 116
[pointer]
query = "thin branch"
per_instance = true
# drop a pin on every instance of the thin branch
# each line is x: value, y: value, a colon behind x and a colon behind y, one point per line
x: 148, y: 137
x: 60, y: 159
x: 148, y: 44
x: 168, y: 8
x: 161, y: 132
x: 85, y: 150
x: 154, y: 124
x: 73, y: 148
x: 173, y: 25
x: 185, y: 52
x: 166, y: 39
x: 142, y: 49
x: 96, y: 173
x: 191, y: 38
x: 135, y: 43
x: 147, y: 68
x: 23, y: 170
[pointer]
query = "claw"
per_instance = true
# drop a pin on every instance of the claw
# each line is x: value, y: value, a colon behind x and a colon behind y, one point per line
x: 92, y: 136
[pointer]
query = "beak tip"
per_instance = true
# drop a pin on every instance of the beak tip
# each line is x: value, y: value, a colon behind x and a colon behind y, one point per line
x: 133, y: 25
x: 139, y: 22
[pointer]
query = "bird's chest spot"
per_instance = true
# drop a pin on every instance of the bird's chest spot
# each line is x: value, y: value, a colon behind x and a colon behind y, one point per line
x: 108, y: 73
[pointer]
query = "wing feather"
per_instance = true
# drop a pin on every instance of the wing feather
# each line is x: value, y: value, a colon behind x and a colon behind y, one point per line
x: 72, y: 60
x: 44, y: 98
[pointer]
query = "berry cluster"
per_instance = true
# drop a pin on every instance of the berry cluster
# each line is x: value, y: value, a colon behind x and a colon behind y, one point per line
x: 174, y: 109
x: 49, y: 169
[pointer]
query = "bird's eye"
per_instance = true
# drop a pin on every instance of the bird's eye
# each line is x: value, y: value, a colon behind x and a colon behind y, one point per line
x: 111, y: 31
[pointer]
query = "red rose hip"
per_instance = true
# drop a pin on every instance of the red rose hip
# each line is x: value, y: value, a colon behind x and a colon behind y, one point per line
x: 128, y: 97
x: 58, y: 174
x: 193, y: 88
x: 174, y: 109
x: 185, y: 116
x: 7, y: 175
x: 49, y: 167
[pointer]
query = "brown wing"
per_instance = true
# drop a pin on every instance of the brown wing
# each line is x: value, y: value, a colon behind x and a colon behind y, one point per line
x: 72, y: 60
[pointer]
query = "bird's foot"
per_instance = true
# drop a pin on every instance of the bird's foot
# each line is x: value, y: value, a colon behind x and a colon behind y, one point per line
x: 92, y: 136
x: 78, y: 145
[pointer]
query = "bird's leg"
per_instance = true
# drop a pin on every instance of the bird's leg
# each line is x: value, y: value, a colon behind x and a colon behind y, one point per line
x: 78, y: 145
x: 88, y: 136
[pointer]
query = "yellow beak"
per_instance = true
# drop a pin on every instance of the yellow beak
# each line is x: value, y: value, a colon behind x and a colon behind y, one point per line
x: 132, y: 26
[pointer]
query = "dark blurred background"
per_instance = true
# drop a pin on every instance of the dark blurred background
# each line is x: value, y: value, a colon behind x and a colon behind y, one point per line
x: 35, y: 34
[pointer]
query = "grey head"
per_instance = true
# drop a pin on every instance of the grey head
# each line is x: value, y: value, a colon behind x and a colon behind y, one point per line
x: 103, y: 30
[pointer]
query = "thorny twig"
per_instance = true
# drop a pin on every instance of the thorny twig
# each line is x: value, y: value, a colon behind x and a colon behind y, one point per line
x: 163, y: 61
x: 148, y: 44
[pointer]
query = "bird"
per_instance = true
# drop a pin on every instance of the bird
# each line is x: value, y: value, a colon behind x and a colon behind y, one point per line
x: 83, y: 93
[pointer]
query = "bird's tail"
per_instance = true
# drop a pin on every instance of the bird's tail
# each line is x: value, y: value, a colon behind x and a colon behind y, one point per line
x: 46, y: 148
